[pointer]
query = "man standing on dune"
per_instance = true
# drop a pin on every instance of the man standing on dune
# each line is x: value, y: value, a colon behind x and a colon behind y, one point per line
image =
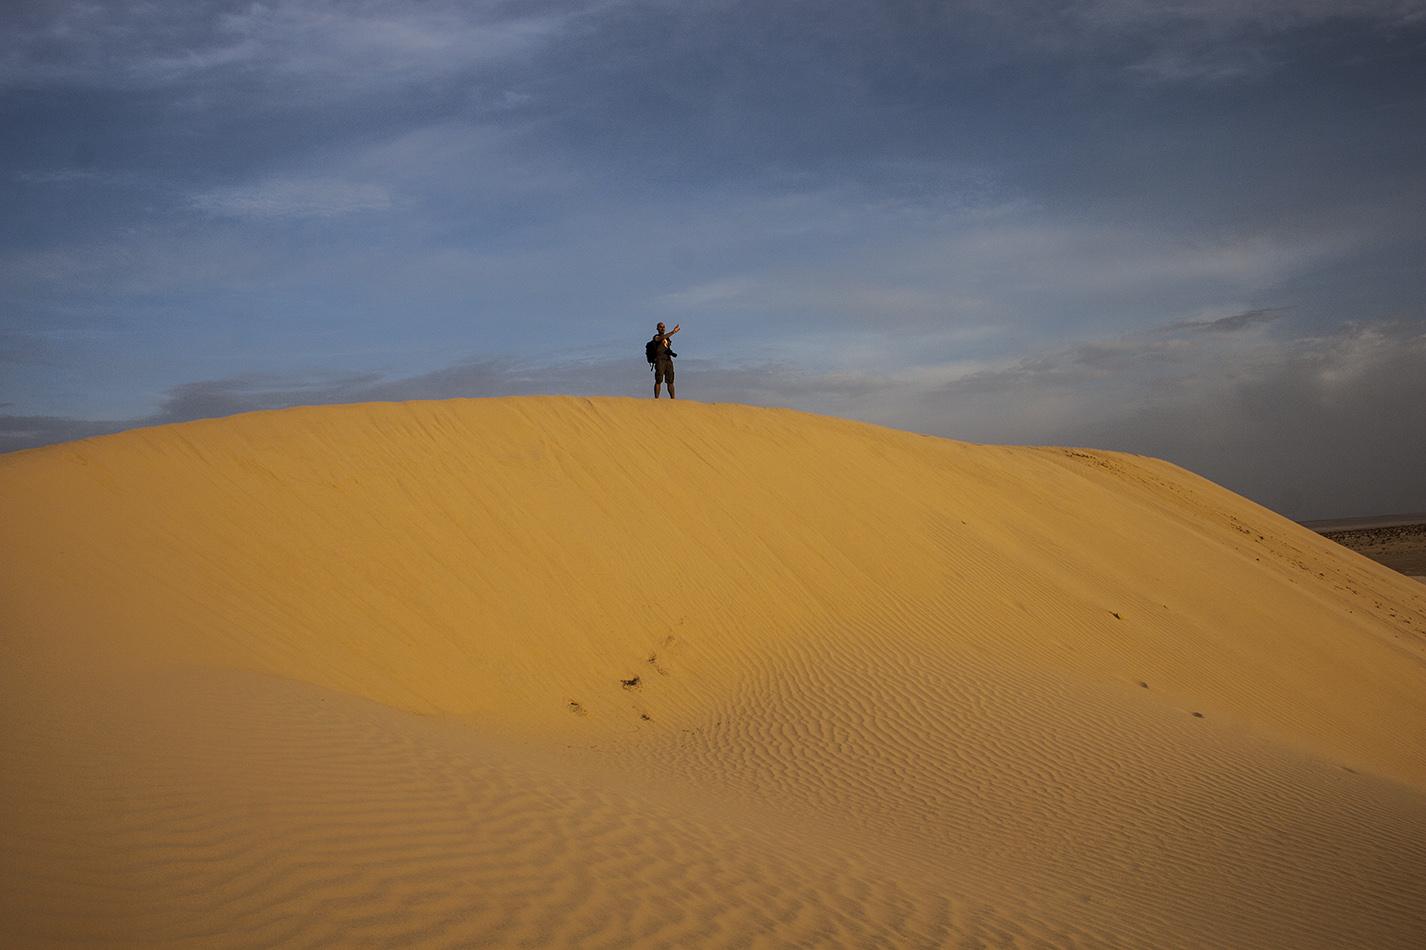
x: 663, y: 359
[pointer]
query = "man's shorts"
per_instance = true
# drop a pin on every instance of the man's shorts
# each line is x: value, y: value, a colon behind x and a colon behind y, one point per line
x: 663, y: 370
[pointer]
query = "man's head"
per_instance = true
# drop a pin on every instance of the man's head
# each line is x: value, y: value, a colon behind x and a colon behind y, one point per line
x: 660, y: 327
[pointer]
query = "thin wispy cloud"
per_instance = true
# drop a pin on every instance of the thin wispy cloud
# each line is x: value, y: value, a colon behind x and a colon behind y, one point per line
x: 715, y: 293
x: 289, y: 198
x: 1234, y: 321
x: 153, y: 45
x: 1266, y: 15
x: 61, y: 176
x: 1188, y: 41
x: 1208, y: 65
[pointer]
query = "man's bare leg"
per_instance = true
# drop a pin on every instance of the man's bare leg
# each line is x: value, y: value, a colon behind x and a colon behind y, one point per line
x: 670, y: 391
x: 657, y: 387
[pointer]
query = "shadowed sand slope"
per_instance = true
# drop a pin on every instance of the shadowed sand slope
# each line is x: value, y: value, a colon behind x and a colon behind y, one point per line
x: 601, y: 672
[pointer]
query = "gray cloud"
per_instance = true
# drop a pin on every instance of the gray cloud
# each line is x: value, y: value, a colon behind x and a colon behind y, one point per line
x: 1164, y: 43
x: 214, y: 398
x: 1236, y: 321
x: 713, y: 382
x: 1203, y: 64
x: 1316, y: 426
x: 156, y: 45
x: 764, y: 383
x: 26, y: 432
x: 1268, y: 15
x: 1082, y: 23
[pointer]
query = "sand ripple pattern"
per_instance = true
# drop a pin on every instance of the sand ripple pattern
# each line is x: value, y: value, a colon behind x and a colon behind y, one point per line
x: 245, y: 811
x: 603, y: 673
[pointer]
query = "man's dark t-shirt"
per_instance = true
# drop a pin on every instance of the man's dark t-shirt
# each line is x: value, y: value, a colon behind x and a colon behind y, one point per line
x: 663, y: 364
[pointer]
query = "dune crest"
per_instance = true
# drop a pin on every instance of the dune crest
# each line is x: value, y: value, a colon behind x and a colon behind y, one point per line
x: 603, y: 671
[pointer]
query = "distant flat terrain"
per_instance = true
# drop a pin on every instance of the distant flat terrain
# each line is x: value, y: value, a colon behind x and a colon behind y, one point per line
x: 1356, y: 524
x: 1398, y: 542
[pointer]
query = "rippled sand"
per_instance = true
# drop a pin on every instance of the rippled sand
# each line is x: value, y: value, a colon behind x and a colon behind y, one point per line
x: 614, y: 672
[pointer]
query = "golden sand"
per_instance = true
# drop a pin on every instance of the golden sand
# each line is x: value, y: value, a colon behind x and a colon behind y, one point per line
x: 601, y: 673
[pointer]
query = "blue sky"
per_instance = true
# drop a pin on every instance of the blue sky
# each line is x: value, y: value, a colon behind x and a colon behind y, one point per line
x: 1193, y: 229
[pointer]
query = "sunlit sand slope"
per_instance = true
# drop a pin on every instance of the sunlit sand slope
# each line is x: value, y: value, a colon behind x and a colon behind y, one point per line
x: 611, y: 672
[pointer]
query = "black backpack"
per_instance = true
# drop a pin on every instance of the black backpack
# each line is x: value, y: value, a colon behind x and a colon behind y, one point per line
x: 651, y: 351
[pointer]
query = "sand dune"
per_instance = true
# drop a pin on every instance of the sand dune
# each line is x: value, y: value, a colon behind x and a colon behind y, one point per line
x: 610, y: 672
